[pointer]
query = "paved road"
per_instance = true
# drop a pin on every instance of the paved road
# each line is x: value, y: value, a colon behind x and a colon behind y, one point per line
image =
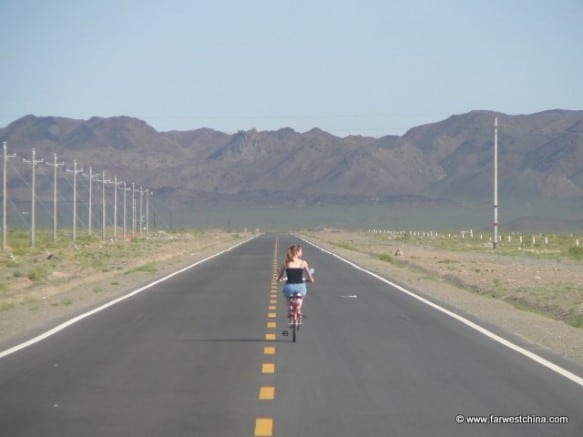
x: 202, y: 355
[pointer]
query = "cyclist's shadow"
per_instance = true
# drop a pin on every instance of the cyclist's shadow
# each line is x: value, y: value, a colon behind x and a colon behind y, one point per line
x: 230, y: 340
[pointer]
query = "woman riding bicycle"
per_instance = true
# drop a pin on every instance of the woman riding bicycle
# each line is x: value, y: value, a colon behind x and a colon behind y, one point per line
x: 294, y: 268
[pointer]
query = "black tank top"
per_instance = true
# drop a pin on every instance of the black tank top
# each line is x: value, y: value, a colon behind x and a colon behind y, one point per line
x: 294, y: 275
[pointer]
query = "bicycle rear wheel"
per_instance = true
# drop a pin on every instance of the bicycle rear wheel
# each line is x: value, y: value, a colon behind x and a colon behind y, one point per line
x: 294, y: 330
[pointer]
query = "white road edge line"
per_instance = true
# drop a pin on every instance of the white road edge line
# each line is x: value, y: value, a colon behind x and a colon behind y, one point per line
x: 537, y: 358
x: 80, y: 317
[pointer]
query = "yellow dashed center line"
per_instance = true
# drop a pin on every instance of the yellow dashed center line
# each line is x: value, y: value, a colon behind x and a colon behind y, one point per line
x: 268, y: 368
x: 263, y: 427
x: 267, y: 393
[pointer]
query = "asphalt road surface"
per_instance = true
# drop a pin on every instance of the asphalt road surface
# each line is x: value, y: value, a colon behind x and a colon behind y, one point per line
x: 202, y: 354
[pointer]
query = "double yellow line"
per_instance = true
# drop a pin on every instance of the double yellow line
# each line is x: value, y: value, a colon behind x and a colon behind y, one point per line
x: 264, y: 425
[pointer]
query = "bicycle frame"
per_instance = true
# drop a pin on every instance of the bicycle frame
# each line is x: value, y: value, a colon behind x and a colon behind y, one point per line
x: 295, y: 317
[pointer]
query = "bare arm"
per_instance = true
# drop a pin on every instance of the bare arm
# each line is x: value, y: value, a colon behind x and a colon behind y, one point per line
x: 309, y: 275
x: 281, y: 272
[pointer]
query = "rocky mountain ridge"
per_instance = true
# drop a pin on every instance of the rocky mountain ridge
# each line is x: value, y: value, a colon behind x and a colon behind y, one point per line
x: 540, y: 155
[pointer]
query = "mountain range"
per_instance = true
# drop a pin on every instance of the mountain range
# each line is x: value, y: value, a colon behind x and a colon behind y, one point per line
x: 540, y: 155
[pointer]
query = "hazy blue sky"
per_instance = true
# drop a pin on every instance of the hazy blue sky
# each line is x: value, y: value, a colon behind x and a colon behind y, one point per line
x: 349, y: 67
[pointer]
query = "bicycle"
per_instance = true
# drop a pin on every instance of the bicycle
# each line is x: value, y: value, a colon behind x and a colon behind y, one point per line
x: 295, y: 317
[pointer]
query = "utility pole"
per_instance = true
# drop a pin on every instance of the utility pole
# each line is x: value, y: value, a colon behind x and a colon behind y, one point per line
x: 5, y: 158
x: 125, y: 195
x: 75, y: 171
x: 89, y: 212
x: 103, y: 215
x: 495, y: 237
x: 34, y: 163
x: 115, y: 185
x: 133, y: 210
x: 148, y: 194
x: 55, y: 166
x: 141, y: 210
x: 115, y: 207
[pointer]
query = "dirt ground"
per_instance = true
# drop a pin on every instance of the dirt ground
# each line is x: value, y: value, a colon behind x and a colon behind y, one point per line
x: 522, y: 296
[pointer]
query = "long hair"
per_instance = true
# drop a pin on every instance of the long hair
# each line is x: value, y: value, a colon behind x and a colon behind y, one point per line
x: 292, y: 252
